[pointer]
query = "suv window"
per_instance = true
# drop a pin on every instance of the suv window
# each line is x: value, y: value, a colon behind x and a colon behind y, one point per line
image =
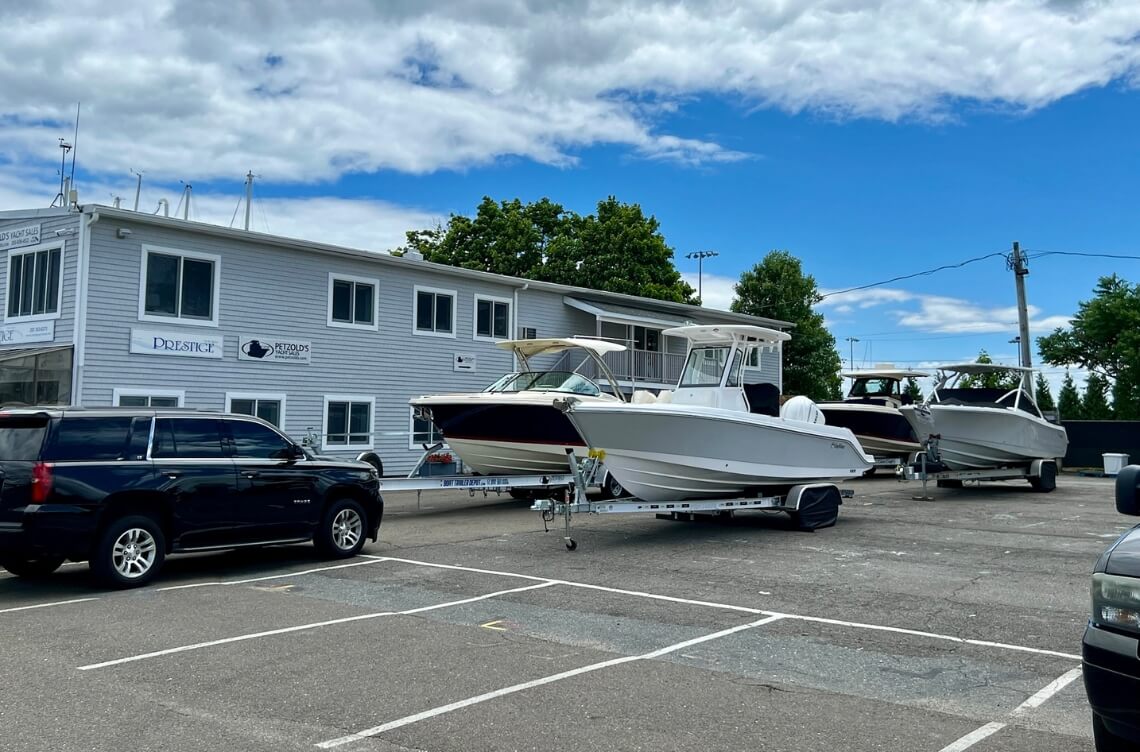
x: 89, y: 439
x: 188, y: 438
x: 255, y: 441
x: 21, y: 436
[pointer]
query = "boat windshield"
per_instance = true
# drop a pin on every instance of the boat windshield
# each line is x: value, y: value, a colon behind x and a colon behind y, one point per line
x: 705, y: 366
x: 875, y: 388
x: 545, y: 381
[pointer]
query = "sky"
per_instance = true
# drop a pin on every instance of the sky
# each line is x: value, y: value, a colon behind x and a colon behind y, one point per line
x: 870, y: 138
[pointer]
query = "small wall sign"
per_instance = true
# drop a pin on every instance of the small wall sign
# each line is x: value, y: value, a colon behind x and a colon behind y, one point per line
x: 274, y: 349
x: 17, y: 237
x: 464, y: 362
x: 151, y: 342
x: 20, y: 334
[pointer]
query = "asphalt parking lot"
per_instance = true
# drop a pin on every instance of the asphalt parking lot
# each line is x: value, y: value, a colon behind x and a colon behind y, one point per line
x: 940, y: 625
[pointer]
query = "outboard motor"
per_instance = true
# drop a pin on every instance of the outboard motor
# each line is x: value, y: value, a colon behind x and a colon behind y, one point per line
x: 803, y: 409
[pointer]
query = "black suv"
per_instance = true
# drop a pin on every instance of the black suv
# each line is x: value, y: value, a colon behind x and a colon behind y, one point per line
x: 1112, y: 640
x: 122, y: 488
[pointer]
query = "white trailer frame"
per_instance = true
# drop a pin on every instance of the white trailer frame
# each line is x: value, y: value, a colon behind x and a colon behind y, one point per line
x: 1041, y: 473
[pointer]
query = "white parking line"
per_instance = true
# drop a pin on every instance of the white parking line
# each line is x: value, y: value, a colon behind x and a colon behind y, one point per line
x: 46, y: 605
x: 408, y: 720
x: 1036, y: 700
x: 371, y: 560
x: 303, y: 627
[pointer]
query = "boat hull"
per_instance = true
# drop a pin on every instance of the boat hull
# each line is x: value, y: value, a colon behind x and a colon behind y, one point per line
x: 677, y: 452
x: 881, y: 429
x: 973, y: 437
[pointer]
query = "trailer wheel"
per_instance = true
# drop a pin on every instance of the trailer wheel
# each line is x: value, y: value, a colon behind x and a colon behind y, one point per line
x: 1047, y: 480
x: 818, y: 507
x: 949, y: 483
x: 611, y: 489
x: 870, y: 471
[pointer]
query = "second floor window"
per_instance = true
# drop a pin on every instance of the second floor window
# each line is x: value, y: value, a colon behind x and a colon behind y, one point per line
x: 435, y: 312
x: 180, y: 285
x: 492, y: 318
x: 34, y: 282
x: 352, y: 302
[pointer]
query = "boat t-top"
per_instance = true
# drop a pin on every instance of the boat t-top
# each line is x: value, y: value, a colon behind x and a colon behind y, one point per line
x: 871, y: 411
x: 512, y: 427
x: 985, y: 427
x: 716, y: 435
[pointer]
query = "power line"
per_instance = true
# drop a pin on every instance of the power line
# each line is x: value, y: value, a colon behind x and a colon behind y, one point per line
x: 1034, y: 254
x: 927, y: 272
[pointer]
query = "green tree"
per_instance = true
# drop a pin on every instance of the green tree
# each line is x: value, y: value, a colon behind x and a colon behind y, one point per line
x: 778, y: 288
x: 1044, y: 394
x: 1094, y: 405
x: 1104, y: 337
x: 913, y: 389
x: 1069, y: 400
x: 617, y: 248
x: 992, y: 379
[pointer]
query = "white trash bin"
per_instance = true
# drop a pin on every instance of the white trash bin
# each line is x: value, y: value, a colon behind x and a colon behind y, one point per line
x: 1114, y: 463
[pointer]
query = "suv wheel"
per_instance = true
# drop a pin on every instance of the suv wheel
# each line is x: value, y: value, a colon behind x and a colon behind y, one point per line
x: 129, y: 553
x: 32, y: 568
x: 341, y: 534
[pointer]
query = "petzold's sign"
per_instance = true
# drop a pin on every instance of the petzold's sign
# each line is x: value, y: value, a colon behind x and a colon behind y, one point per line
x: 17, y: 237
x: 150, y: 342
x: 274, y: 349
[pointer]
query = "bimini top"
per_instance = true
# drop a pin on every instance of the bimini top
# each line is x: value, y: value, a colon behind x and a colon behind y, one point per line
x: 983, y: 368
x: 882, y: 374
x: 528, y: 348
x: 725, y: 334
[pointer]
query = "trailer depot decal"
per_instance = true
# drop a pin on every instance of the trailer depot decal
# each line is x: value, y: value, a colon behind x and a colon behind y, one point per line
x: 274, y: 349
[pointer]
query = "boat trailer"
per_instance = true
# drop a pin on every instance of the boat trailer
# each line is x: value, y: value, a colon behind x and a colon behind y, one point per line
x: 927, y: 466
x: 810, y: 505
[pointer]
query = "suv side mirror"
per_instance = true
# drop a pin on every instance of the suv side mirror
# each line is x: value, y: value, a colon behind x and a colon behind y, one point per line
x: 1128, y: 491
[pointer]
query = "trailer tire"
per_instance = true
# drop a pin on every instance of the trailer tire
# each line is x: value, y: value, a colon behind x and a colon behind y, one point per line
x: 1047, y: 480
x: 611, y: 489
x: 949, y: 483
x: 870, y: 471
x: 818, y: 507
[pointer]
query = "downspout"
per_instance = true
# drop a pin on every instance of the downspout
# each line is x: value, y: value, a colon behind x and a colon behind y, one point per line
x: 79, y: 329
x: 515, y: 316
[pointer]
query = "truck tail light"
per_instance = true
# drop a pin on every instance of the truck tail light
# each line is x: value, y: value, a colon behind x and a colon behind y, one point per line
x: 41, y: 482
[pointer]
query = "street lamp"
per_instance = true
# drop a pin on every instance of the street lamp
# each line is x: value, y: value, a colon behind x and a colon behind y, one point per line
x: 700, y: 256
x: 1017, y: 341
x: 851, y: 360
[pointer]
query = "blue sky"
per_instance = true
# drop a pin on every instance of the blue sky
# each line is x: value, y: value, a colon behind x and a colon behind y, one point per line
x: 871, y: 138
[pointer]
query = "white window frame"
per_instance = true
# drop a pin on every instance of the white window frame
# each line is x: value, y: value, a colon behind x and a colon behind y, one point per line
x: 142, y: 391
x: 374, y: 282
x: 266, y: 396
x: 454, y: 311
x: 475, y: 317
x: 412, y: 443
x: 59, y: 292
x: 329, y: 398
x: 180, y: 320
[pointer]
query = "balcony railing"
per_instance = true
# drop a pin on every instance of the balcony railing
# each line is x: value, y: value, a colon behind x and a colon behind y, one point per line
x: 637, y: 366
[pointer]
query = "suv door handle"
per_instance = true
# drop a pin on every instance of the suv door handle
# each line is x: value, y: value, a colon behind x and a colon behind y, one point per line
x: 250, y: 473
x: 172, y: 473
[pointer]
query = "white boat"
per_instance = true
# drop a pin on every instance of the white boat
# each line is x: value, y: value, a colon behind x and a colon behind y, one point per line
x: 715, y: 436
x: 871, y: 411
x: 980, y: 427
x: 512, y: 427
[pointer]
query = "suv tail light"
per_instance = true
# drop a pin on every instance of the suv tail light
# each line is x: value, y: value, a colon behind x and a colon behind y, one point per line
x: 41, y: 482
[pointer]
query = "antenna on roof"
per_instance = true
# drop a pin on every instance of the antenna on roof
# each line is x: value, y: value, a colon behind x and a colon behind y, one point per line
x: 138, y: 188
x: 75, y: 142
x: 248, y: 195
x: 64, y: 148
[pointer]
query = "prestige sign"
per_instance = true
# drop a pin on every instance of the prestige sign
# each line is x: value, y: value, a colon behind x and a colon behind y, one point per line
x: 16, y: 237
x: 150, y: 342
x: 20, y: 334
x: 274, y: 349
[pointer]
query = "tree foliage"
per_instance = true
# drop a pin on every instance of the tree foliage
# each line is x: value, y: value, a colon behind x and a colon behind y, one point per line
x: 1104, y: 337
x: 618, y: 248
x: 1044, y: 394
x: 1069, y: 400
x: 913, y: 389
x: 778, y: 288
x: 1094, y: 404
x: 991, y: 380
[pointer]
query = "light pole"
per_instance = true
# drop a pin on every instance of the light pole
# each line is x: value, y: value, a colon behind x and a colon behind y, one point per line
x: 851, y: 341
x: 700, y: 256
x: 1017, y: 341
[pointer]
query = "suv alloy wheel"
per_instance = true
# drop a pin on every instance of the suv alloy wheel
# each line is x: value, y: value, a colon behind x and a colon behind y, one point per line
x: 342, y: 530
x: 129, y: 553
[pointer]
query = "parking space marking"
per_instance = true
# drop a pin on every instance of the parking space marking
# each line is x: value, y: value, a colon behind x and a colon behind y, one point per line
x: 46, y: 605
x: 303, y: 627
x: 757, y: 611
x: 1035, y: 701
x: 459, y: 705
x: 371, y: 560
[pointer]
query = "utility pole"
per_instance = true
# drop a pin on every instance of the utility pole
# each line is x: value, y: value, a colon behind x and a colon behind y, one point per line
x: 700, y: 256
x: 851, y: 360
x: 1017, y: 263
x: 248, y: 195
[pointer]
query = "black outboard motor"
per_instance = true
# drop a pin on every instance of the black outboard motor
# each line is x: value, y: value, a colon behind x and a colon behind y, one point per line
x: 1128, y: 491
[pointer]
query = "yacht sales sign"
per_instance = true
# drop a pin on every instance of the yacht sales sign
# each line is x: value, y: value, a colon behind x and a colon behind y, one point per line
x: 151, y: 342
x: 274, y: 349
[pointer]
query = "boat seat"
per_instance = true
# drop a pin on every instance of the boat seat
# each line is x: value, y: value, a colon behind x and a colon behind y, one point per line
x: 642, y: 397
x: 763, y: 399
x: 665, y: 395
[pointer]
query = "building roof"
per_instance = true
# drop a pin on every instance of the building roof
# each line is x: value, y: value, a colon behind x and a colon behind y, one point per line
x: 675, y: 313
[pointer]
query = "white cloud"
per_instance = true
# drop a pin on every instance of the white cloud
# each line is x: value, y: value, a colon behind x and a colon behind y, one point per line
x: 305, y: 91
x: 716, y: 291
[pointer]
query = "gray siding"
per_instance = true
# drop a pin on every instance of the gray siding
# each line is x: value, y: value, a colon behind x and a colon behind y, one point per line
x: 69, y: 242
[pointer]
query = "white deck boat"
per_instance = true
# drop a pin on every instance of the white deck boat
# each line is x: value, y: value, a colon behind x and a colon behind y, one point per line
x: 512, y: 427
x: 985, y: 427
x: 871, y: 411
x: 714, y: 436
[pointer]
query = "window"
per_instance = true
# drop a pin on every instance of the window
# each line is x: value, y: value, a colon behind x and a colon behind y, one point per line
x: 128, y: 397
x: 187, y: 438
x: 348, y: 422
x: 492, y: 318
x: 268, y: 407
x: 34, y: 283
x: 255, y: 441
x: 424, y: 432
x: 435, y: 312
x: 353, y: 301
x: 91, y: 438
x: 179, y: 285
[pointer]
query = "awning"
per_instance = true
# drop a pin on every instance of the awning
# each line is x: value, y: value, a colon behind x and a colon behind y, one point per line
x: 27, y: 352
x: 624, y: 314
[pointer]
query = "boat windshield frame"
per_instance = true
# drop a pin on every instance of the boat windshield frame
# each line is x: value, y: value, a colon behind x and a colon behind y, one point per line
x: 1021, y: 400
x: 706, y: 378
x: 896, y: 393
x: 537, y: 381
